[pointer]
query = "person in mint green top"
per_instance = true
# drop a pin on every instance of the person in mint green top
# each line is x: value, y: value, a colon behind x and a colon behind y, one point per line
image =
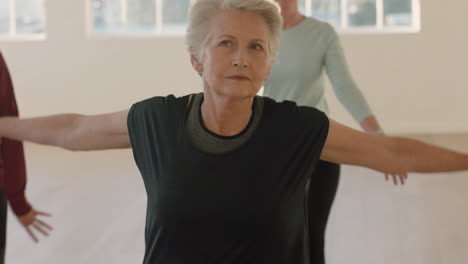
x: 308, y: 49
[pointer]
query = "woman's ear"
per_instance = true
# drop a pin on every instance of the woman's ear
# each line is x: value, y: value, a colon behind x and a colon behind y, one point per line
x: 197, y: 66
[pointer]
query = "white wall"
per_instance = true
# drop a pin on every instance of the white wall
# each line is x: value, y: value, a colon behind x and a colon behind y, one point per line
x: 414, y: 82
x: 71, y: 71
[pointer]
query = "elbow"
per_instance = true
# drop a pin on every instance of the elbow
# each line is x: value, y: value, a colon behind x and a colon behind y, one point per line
x: 69, y: 138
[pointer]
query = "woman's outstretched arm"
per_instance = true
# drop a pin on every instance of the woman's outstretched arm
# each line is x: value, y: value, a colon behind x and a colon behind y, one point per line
x: 70, y: 131
x: 394, y: 155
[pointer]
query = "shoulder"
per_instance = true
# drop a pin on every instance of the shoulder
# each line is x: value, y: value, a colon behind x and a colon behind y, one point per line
x: 157, y: 109
x: 317, y: 31
x: 319, y: 24
x: 272, y: 106
x: 291, y: 111
x: 159, y: 103
x: 296, y: 123
x: 164, y: 100
x: 322, y: 27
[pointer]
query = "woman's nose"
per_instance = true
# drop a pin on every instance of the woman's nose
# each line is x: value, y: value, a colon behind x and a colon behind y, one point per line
x: 239, y: 60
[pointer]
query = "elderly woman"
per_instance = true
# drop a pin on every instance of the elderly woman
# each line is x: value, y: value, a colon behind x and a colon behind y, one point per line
x: 225, y: 171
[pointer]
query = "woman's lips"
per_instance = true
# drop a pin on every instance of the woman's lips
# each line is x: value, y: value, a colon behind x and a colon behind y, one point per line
x: 238, y: 78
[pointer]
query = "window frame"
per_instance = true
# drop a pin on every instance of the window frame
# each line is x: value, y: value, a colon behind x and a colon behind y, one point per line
x: 379, y: 28
x: 13, y: 35
x: 344, y: 27
x: 158, y: 32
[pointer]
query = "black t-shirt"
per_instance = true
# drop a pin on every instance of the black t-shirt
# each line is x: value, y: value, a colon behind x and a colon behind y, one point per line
x: 244, y: 206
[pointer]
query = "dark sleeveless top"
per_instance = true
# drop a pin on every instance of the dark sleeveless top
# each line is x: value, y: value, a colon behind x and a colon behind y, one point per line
x: 242, y: 206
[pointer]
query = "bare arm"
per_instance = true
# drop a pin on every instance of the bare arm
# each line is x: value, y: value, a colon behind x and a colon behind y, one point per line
x: 372, y: 126
x: 388, y: 154
x: 70, y: 131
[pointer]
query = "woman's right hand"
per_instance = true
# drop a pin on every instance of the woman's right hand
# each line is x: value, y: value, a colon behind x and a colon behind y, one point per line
x: 30, y: 222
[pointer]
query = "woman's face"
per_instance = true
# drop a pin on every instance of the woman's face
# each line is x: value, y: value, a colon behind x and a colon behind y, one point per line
x: 236, y: 60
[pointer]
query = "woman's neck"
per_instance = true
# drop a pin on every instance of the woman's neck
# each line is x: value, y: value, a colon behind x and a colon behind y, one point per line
x: 224, y: 115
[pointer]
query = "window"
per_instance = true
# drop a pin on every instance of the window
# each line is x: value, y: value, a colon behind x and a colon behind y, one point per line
x: 139, y: 17
x: 162, y: 17
x: 22, y: 18
x: 366, y: 16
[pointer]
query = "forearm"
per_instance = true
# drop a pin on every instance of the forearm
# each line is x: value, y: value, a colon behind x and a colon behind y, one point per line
x: 50, y: 130
x: 421, y: 157
x: 394, y: 155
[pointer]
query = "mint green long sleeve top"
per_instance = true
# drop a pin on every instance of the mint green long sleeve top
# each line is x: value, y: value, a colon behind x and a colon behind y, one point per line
x: 306, y: 51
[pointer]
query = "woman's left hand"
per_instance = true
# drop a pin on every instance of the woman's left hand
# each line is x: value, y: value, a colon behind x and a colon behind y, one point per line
x: 403, y: 177
x: 30, y: 221
x: 372, y: 126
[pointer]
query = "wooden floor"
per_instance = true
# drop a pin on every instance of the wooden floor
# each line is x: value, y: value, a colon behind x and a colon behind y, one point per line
x: 98, y: 204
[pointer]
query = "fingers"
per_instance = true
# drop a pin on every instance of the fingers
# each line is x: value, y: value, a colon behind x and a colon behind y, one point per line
x: 405, y: 176
x: 40, y: 229
x: 402, y: 179
x: 397, y: 178
x: 43, y: 213
x: 32, y: 224
x: 31, y: 234
x: 44, y: 224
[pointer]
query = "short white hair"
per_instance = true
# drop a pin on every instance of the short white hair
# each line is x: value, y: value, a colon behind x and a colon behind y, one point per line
x: 203, y: 10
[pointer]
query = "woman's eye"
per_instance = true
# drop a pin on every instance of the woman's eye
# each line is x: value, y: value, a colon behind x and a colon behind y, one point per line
x: 256, y: 46
x: 226, y: 43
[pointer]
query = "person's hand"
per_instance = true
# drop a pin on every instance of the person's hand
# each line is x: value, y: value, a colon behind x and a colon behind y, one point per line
x: 372, y: 122
x: 403, y: 177
x: 30, y: 221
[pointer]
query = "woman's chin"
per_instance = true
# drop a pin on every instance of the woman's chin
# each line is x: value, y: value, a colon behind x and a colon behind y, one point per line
x: 236, y: 92
x: 239, y: 93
